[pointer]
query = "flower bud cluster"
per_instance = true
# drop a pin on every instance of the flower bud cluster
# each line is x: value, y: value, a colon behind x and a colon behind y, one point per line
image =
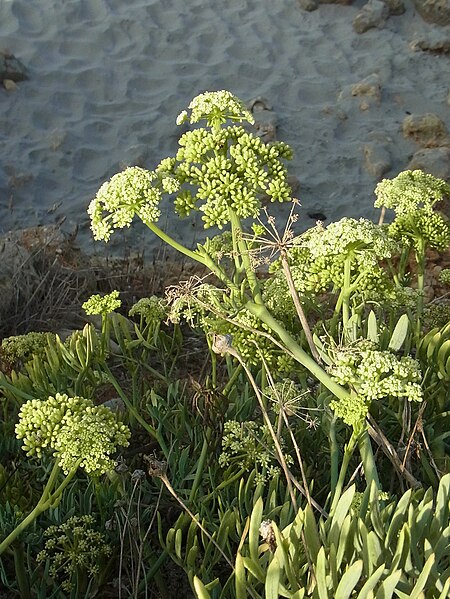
x: 413, y: 196
x: 133, y: 191
x: 152, y: 309
x: 230, y: 169
x: 372, y: 375
x: 73, y: 548
x: 21, y: 348
x: 250, y: 344
x: 218, y: 247
x: 318, y: 256
x: 436, y: 315
x: 216, y: 108
x: 97, y: 304
x: 249, y: 445
x: 74, y: 430
x: 410, y: 192
x: 416, y: 227
x: 444, y: 276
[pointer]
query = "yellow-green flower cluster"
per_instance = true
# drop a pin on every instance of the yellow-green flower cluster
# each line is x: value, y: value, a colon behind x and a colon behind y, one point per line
x: 228, y: 169
x: 431, y: 227
x: 97, y: 304
x: 372, y: 375
x: 133, y: 191
x: 436, y: 315
x: 216, y: 108
x: 413, y: 196
x: 410, y: 191
x: 74, y: 548
x: 444, y: 276
x: 249, y: 445
x: 74, y: 430
x: 152, y: 309
x: 22, y: 348
x: 318, y: 256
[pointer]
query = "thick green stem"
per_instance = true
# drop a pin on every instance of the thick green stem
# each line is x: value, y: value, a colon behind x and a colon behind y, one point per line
x: 201, y: 258
x: 367, y: 457
x: 348, y: 452
x: 245, y: 256
x: 334, y: 456
x: 420, y: 257
x: 300, y: 355
x: 347, y: 291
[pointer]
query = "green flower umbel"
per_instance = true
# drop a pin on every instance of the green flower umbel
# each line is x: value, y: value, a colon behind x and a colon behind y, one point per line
x: 133, y: 191
x: 216, y: 108
x: 372, y: 375
x: 413, y: 196
x: 102, y: 305
x: 75, y: 430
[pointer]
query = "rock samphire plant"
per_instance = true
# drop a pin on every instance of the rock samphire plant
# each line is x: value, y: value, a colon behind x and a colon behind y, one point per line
x: 226, y: 173
x: 340, y: 310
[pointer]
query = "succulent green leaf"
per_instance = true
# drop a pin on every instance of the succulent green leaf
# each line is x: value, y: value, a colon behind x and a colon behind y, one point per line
x: 399, y: 333
x: 349, y: 580
x: 372, y: 328
x: 371, y: 583
x: 200, y: 589
x: 446, y: 590
x: 441, y: 510
x: 340, y: 512
x: 253, y: 534
x: 239, y: 577
x: 311, y: 533
x: 400, y: 516
x: 321, y: 575
x: 178, y: 542
x: 273, y: 579
x: 416, y: 593
x: 387, y: 587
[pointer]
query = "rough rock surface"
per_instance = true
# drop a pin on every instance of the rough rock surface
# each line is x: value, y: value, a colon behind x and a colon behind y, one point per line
x: 428, y: 130
x: 435, y: 161
x: 310, y: 5
x: 373, y: 14
x: 396, y: 7
x: 434, y: 11
x: 11, y: 69
x: 368, y: 90
x: 377, y: 159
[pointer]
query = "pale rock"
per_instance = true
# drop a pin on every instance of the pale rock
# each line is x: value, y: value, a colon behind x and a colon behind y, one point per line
x: 434, y: 11
x: 11, y: 68
x: 428, y: 130
x: 368, y: 91
x: 9, y: 85
x: 311, y: 5
x: 377, y: 160
x: 373, y: 14
x: 435, y: 161
x: 396, y: 7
